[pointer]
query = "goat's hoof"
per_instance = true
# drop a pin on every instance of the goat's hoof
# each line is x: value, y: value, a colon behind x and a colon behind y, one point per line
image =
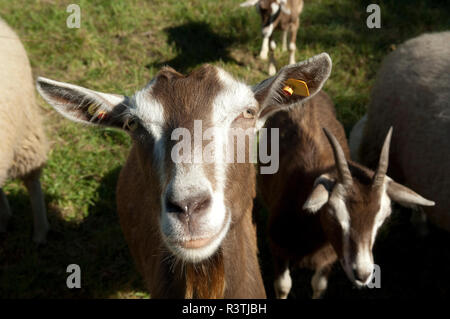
x: 272, y: 70
x: 264, y: 57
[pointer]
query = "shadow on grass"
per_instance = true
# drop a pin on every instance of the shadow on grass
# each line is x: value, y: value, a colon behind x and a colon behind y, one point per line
x: 96, y: 244
x: 196, y: 43
x: 411, y: 266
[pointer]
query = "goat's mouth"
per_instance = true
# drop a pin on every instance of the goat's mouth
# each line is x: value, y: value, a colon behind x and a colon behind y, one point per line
x: 196, y: 243
x: 357, y: 283
x: 193, y: 248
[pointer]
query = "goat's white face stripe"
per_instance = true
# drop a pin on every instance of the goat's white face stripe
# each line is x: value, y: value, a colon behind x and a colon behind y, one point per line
x: 190, y: 179
x: 340, y: 209
x: 383, y: 212
x: 228, y: 104
x: 363, y: 260
x: 151, y: 113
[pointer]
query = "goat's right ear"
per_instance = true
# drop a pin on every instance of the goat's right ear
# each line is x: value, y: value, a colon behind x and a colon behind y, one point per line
x: 323, y: 186
x: 83, y: 105
x: 249, y: 3
x: 274, y: 94
x: 405, y: 196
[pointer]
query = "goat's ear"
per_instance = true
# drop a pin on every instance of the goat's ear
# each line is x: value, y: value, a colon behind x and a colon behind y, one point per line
x: 83, y: 105
x: 405, y: 196
x: 323, y: 186
x: 275, y: 94
x: 249, y: 3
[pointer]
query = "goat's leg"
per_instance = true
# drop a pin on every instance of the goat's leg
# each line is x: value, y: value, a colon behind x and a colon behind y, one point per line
x: 267, y: 34
x: 272, y: 67
x: 319, y: 281
x: 293, y: 40
x: 283, y: 281
x: 264, y: 54
x: 284, y: 40
x: 40, y: 221
x: 5, y: 212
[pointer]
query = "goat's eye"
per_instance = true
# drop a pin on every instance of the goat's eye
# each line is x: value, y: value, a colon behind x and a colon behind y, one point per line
x: 249, y: 114
x: 131, y: 125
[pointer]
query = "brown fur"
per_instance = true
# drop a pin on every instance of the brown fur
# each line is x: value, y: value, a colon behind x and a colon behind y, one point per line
x: 302, y: 139
x: 233, y: 271
x: 297, y: 236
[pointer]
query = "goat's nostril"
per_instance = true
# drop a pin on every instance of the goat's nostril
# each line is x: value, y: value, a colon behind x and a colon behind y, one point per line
x: 201, y: 204
x: 176, y: 207
x: 191, y: 205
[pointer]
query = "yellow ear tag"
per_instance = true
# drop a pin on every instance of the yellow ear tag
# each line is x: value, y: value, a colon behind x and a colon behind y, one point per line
x: 92, y: 109
x: 299, y: 87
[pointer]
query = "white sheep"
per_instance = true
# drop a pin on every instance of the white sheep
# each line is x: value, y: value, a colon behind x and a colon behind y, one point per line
x: 412, y: 93
x: 23, y: 145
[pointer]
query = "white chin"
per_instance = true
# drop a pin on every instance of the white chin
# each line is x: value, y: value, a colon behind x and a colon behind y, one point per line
x: 195, y: 255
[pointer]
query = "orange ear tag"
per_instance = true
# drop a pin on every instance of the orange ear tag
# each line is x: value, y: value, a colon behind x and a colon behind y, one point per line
x: 298, y: 87
x: 288, y: 91
x: 92, y: 110
x: 102, y: 115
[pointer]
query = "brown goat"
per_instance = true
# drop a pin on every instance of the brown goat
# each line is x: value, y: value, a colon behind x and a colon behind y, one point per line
x: 324, y: 207
x: 278, y: 14
x: 188, y: 224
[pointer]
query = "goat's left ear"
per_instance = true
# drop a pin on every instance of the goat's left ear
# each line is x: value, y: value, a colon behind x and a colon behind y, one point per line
x: 281, y: 91
x: 405, y: 196
x: 323, y: 186
x: 83, y: 105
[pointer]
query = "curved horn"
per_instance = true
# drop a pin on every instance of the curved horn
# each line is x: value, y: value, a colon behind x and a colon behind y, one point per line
x: 380, y: 173
x: 339, y: 157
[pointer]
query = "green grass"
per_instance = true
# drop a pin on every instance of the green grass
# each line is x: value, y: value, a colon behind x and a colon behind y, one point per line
x: 119, y: 48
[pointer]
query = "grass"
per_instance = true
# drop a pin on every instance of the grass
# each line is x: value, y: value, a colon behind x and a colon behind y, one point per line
x: 119, y: 48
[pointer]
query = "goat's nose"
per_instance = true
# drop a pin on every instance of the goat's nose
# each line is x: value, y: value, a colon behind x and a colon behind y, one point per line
x: 188, y: 206
x: 362, y: 274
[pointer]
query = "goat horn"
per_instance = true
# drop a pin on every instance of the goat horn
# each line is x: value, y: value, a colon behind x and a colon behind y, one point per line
x: 380, y: 173
x: 339, y: 157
